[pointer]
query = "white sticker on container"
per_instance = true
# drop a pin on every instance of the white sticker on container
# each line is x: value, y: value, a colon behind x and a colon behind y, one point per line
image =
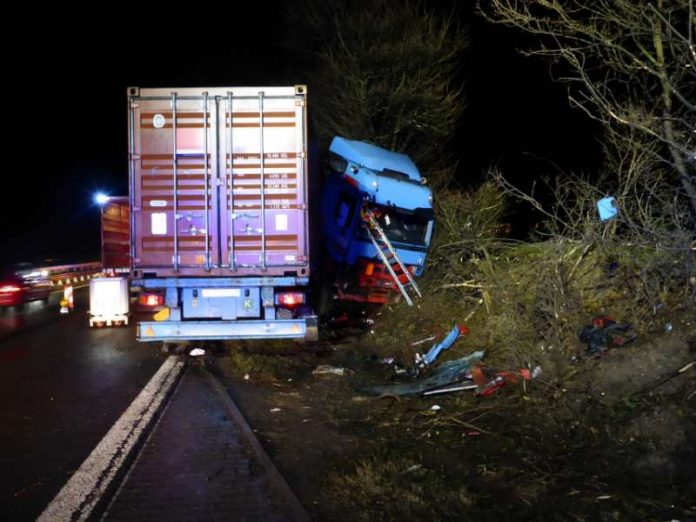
x: 281, y: 222
x: 290, y: 257
x: 159, y: 224
x: 158, y: 121
x: 220, y: 292
x: 158, y: 203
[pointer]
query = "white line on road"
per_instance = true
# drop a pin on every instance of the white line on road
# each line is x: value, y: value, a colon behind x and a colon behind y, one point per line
x: 80, y: 495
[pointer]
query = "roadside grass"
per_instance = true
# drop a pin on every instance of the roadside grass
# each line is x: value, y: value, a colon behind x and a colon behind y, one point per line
x: 396, y: 487
x: 602, y: 438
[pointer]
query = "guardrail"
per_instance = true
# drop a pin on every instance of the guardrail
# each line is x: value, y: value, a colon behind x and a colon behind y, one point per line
x: 61, y: 275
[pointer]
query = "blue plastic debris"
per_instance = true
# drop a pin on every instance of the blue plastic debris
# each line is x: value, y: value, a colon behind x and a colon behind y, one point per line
x: 434, y: 352
x: 607, y: 208
x: 447, y: 374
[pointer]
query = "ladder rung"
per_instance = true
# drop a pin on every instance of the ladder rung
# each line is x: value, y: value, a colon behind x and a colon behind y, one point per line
x: 401, y: 276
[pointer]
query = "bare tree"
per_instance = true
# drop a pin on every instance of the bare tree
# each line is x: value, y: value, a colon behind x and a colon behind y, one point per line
x: 631, y: 65
x: 381, y: 70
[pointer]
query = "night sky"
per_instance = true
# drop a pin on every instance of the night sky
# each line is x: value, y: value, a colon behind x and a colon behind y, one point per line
x: 66, y: 102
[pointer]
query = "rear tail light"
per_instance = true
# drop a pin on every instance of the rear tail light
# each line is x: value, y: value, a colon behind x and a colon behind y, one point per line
x: 290, y: 299
x: 7, y: 289
x: 151, y: 299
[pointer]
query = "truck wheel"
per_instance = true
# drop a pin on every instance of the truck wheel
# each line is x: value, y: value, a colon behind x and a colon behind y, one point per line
x: 325, y: 299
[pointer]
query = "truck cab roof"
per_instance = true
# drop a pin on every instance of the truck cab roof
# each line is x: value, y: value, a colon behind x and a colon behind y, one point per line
x: 375, y: 158
x: 387, y: 178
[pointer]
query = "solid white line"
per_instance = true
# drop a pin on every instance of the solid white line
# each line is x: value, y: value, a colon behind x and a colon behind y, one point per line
x: 88, y: 484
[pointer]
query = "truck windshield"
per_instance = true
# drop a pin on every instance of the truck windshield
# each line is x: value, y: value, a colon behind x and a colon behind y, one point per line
x: 402, y: 227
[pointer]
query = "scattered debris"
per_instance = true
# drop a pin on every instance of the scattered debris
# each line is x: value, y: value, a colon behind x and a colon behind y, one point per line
x: 449, y: 373
x: 275, y: 410
x: 669, y: 327
x: 451, y: 389
x: 446, y: 343
x: 607, y: 208
x: 605, y: 333
x: 324, y: 369
x: 429, y: 338
x: 435, y: 407
x: 197, y: 352
x: 488, y: 381
x: 388, y: 361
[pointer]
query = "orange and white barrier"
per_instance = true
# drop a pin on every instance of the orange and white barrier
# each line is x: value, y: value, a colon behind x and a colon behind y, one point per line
x: 67, y: 304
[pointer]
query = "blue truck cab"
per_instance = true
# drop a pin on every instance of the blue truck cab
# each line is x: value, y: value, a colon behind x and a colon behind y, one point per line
x: 388, y: 184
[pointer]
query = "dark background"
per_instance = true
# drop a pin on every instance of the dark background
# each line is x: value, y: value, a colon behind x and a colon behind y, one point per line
x: 65, y: 101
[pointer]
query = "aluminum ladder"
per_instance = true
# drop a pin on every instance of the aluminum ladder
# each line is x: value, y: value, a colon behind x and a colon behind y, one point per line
x: 387, y: 253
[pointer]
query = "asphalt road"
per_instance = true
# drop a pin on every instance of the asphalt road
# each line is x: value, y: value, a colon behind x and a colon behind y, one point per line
x: 62, y: 385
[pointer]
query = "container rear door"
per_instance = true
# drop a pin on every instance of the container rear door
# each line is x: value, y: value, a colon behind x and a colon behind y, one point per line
x: 266, y: 209
x: 172, y: 169
x: 218, y: 180
x: 115, y: 230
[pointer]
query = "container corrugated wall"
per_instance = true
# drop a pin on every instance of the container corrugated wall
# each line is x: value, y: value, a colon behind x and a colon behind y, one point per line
x: 219, y: 181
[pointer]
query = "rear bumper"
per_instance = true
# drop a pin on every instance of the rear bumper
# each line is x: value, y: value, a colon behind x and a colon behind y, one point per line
x: 305, y: 328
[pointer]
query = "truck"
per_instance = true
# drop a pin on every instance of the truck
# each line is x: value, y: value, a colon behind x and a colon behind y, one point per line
x: 219, y: 211
x: 109, y: 294
x: 377, y: 223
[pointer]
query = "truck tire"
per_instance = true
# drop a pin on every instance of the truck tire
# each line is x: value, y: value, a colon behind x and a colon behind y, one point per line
x: 325, y: 297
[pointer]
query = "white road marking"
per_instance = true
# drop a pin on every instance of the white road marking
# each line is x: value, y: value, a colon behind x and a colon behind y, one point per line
x: 80, y: 495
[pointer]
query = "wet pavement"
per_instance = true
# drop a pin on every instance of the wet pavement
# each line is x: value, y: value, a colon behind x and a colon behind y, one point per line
x: 203, y: 463
x: 36, y: 313
x: 63, y: 385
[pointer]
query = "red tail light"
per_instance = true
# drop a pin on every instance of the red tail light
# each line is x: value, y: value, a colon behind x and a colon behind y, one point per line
x: 7, y: 289
x: 290, y: 299
x: 370, y: 269
x: 151, y: 299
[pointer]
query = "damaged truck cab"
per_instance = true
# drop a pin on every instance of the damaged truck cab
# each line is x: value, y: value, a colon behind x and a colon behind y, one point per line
x: 365, y: 181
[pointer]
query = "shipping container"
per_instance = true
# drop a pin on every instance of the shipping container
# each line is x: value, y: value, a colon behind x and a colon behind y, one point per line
x: 219, y: 208
x: 219, y: 181
x: 115, y: 235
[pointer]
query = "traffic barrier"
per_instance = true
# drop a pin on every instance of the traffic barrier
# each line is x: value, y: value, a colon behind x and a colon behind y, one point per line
x: 68, y: 298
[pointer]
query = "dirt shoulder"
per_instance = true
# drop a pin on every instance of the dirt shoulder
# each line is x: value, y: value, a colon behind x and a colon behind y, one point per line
x: 614, y: 441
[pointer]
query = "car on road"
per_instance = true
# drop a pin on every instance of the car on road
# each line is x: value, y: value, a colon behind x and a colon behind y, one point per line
x: 19, y: 285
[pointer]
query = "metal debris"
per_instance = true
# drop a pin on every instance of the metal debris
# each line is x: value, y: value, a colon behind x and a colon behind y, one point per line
x: 324, y: 369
